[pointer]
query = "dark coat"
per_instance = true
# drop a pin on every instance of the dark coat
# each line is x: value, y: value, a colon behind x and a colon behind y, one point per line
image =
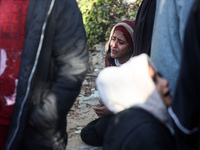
x: 144, y: 27
x: 186, y: 104
x: 136, y: 129
x: 53, y: 65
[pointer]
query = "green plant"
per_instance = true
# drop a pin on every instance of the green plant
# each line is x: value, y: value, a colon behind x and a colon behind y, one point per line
x: 139, y: 2
x: 99, y: 16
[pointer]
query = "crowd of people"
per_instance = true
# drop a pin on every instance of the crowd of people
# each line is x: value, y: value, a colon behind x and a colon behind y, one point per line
x: 149, y: 88
x: 164, y: 116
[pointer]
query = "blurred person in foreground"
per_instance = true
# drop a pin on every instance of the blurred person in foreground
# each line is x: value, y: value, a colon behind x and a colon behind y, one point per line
x: 43, y: 58
x: 185, y: 109
x: 168, y: 37
x: 139, y: 97
x: 144, y: 27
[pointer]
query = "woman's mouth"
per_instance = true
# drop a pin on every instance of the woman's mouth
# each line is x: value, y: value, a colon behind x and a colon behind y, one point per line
x: 113, y: 52
x: 167, y: 94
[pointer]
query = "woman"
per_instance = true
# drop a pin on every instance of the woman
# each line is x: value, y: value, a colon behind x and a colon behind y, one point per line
x: 139, y: 97
x: 119, y: 50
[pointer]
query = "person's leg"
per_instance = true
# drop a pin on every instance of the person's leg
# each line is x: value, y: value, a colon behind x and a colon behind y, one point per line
x: 102, y: 125
x: 89, y: 134
x: 3, y: 135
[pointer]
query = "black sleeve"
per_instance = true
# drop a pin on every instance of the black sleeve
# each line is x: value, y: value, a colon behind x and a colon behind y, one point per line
x: 144, y: 27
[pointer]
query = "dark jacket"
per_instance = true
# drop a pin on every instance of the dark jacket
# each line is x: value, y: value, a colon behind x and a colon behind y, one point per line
x: 144, y: 27
x: 136, y: 129
x: 53, y: 66
x: 185, y: 110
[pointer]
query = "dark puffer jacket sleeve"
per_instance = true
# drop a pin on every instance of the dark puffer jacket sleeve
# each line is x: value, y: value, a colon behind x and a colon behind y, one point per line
x: 71, y: 58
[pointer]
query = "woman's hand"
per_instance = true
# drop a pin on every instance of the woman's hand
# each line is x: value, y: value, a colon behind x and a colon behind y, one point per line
x: 102, y: 111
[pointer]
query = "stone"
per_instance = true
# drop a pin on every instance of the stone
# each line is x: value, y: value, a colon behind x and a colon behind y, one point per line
x: 129, y: 1
x: 91, y: 100
x: 82, y: 106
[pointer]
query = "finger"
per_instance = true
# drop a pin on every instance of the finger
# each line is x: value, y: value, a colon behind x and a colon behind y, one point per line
x: 100, y: 102
x: 97, y: 111
x: 98, y: 108
x: 98, y: 114
x: 94, y: 107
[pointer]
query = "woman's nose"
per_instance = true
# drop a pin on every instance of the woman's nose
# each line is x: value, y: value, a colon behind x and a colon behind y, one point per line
x: 166, y: 83
x: 114, y: 43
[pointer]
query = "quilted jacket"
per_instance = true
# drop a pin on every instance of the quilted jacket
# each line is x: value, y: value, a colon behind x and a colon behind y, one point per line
x: 53, y: 65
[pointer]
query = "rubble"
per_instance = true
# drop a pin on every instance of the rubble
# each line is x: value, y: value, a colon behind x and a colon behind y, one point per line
x: 129, y: 1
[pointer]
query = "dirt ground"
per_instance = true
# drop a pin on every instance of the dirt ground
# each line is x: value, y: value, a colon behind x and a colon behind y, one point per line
x: 79, y: 117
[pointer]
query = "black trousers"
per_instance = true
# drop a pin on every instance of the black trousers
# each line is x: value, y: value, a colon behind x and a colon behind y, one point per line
x: 93, y: 133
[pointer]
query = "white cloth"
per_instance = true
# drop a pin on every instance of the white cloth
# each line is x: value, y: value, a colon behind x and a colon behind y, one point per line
x: 130, y: 85
x: 118, y: 64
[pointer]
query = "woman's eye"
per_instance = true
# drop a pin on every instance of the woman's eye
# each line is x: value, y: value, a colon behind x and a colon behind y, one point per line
x: 160, y: 75
x: 154, y: 78
x: 112, y: 38
x: 121, y: 42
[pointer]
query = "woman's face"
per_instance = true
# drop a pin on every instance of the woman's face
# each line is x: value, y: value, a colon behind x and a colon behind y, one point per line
x: 120, y: 48
x: 161, y: 86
